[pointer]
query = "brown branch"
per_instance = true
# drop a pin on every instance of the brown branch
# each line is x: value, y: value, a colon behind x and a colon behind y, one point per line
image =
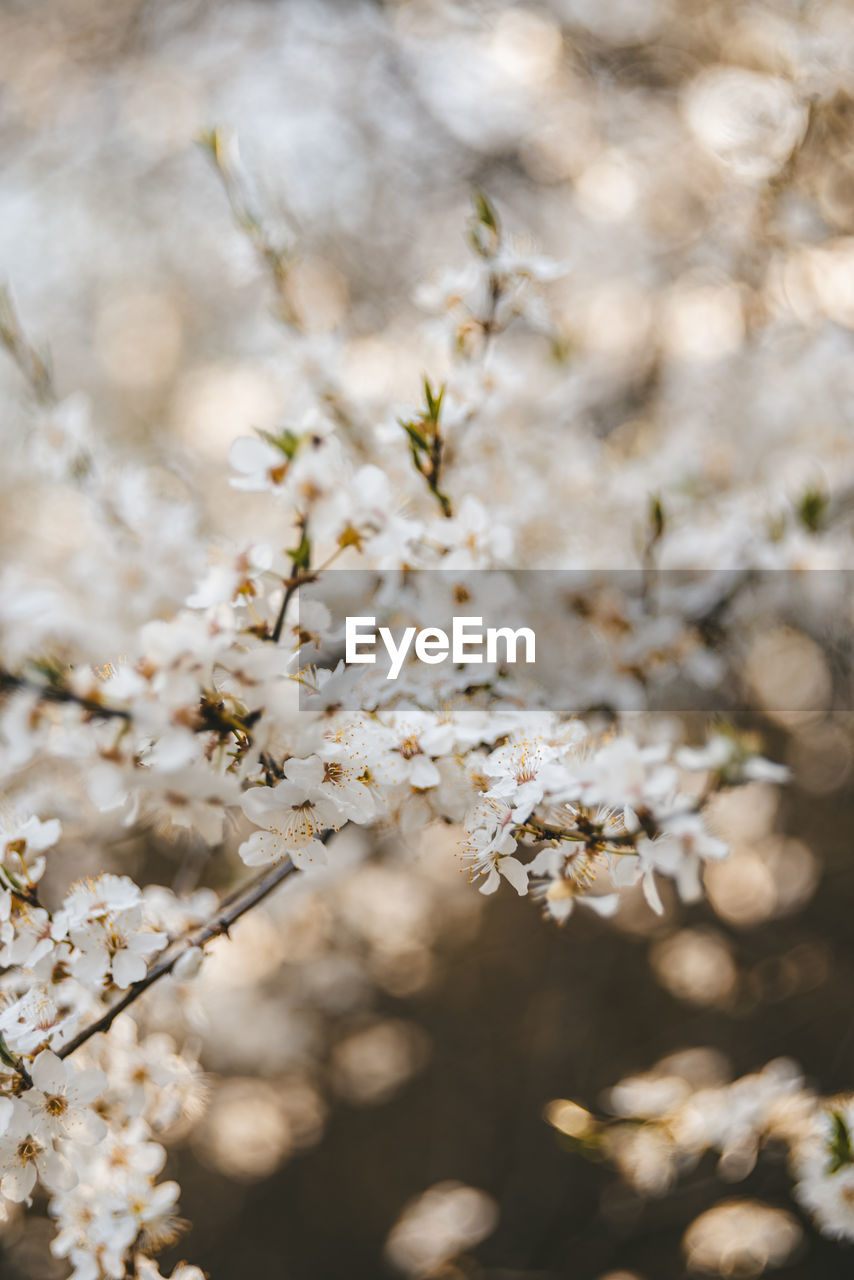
x: 292, y: 586
x: 230, y: 910
x: 58, y: 693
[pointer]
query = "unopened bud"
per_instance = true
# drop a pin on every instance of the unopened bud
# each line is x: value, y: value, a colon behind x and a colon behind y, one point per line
x: 189, y: 964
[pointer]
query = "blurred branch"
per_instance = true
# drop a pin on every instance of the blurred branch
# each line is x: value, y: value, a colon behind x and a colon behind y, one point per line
x: 277, y: 260
x: 34, y: 367
x: 54, y: 692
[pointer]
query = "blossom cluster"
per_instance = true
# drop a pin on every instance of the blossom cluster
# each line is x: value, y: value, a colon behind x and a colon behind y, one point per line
x: 662, y: 1122
x: 168, y: 680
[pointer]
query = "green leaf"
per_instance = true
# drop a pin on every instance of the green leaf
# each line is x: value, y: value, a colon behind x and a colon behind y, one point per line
x: 485, y: 210
x: 288, y: 441
x: 485, y: 229
x: 812, y: 509
x: 417, y: 438
x: 52, y: 671
x: 433, y: 400
x: 839, y: 1147
x: 301, y: 555
x: 656, y: 516
x: 7, y: 1057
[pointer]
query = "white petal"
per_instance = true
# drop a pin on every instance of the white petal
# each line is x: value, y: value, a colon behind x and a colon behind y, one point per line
x: 149, y: 1158
x: 86, y: 1086
x: 188, y: 964
x: 45, y: 835
x: 85, y: 1126
x: 758, y: 769
x: 311, y: 854
x: 514, y: 871
x: 544, y: 864
x: 128, y: 968
x: 260, y: 803
x: 424, y: 774
x: 18, y: 1183
x: 625, y: 869
x: 561, y: 909
x: 7, y: 1109
x: 90, y: 968
x: 49, y: 1073
x: 161, y: 1199
x: 248, y: 454
x: 262, y: 849
x: 604, y: 904
x: 55, y: 1171
x: 491, y: 882
x: 307, y: 774
x: 142, y: 944
x: 650, y: 892
x: 711, y: 847
x: 688, y: 881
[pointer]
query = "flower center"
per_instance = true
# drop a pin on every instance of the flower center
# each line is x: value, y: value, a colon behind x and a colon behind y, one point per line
x: 28, y: 1149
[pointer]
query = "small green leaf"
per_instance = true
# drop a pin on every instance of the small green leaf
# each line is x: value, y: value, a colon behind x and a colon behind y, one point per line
x: 656, y: 516
x: 839, y: 1147
x: 301, y: 554
x: 417, y: 437
x: 7, y: 1057
x: 484, y: 229
x: 812, y: 509
x: 485, y: 210
x: 50, y: 669
x: 288, y: 441
x: 433, y: 400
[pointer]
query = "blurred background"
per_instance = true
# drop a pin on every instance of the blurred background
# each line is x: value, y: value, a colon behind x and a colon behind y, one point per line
x: 380, y: 1053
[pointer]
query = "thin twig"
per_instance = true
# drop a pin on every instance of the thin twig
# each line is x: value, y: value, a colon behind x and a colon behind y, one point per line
x: 292, y: 586
x: 230, y: 910
x: 34, y: 367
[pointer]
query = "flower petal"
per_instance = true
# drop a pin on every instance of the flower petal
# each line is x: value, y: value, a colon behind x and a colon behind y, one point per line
x: 49, y: 1073
x: 311, y: 854
x: 262, y: 849
x: 86, y: 1086
x: 514, y: 871
x: 491, y: 882
x: 18, y: 1183
x: 85, y: 1126
x: 128, y: 968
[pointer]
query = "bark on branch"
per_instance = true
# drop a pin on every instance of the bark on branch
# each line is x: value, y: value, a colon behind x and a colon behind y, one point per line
x: 230, y: 910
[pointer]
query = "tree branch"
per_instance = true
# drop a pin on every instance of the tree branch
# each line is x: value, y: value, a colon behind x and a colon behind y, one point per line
x: 230, y: 909
x: 34, y: 367
x: 291, y: 587
x: 58, y: 693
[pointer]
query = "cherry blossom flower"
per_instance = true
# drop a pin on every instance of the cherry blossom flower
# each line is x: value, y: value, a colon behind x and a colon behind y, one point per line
x: 117, y: 945
x: 291, y: 822
x: 61, y: 1097
x: 23, y: 842
x: 489, y: 847
x: 27, y: 1155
